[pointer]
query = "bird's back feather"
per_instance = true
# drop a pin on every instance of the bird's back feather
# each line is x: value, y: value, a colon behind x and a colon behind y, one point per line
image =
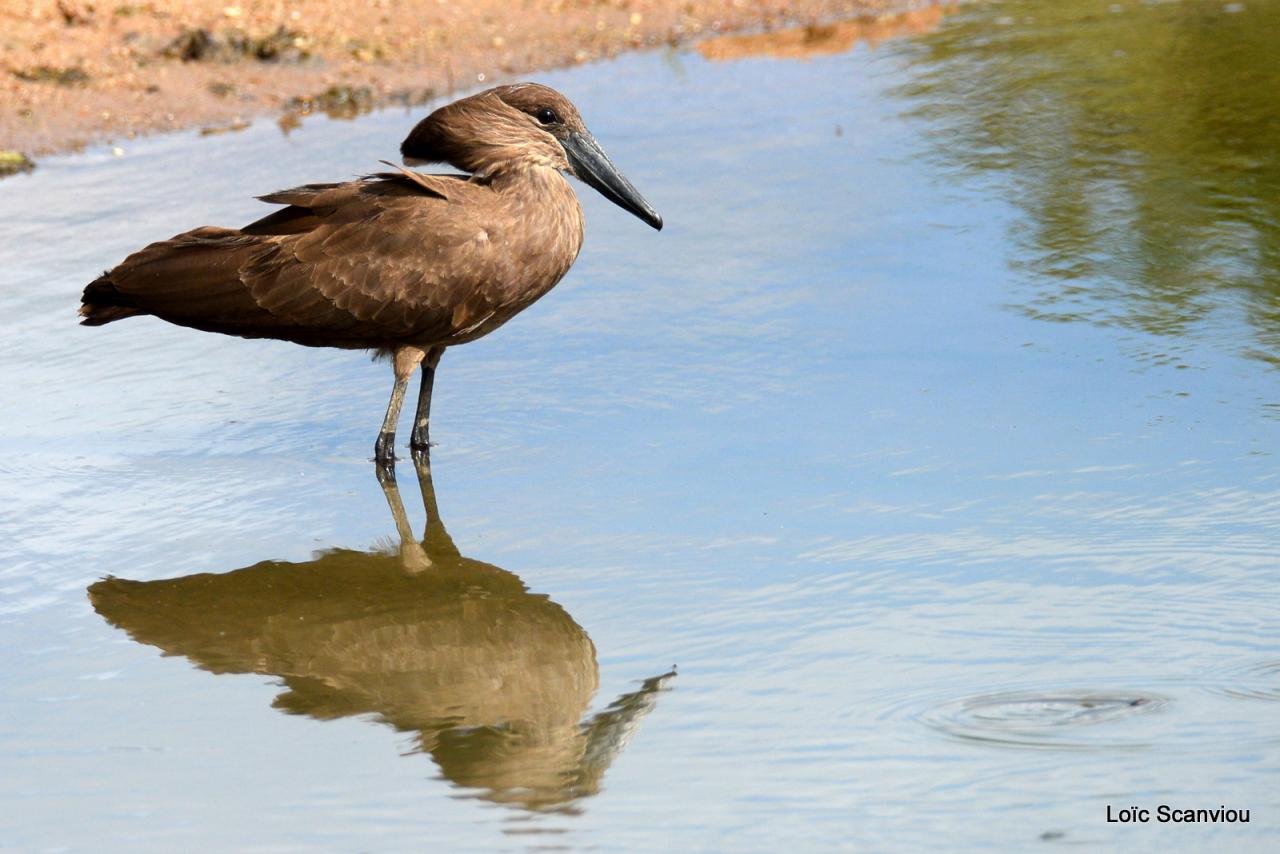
x: 392, y: 257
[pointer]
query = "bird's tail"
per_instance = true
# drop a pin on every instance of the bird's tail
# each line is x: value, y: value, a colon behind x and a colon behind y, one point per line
x: 102, y: 303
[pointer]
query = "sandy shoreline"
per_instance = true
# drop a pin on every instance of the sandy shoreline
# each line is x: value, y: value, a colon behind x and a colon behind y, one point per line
x: 77, y: 73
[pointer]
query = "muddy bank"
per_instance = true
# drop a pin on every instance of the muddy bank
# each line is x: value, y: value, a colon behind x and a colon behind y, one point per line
x: 74, y: 72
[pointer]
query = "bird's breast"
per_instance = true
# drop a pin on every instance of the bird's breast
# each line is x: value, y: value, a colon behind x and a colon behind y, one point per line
x: 532, y: 239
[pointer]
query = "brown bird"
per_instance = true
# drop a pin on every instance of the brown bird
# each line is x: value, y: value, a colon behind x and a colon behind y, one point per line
x: 402, y: 263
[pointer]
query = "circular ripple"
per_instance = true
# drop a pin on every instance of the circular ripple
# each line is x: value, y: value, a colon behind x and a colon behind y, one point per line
x: 1049, y: 720
x: 1254, y: 682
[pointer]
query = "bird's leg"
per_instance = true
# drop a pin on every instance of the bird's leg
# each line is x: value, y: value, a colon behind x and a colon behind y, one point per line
x: 384, y: 450
x: 406, y: 359
x: 419, y: 439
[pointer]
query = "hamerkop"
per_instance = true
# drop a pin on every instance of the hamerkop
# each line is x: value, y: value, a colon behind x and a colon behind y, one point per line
x: 402, y: 263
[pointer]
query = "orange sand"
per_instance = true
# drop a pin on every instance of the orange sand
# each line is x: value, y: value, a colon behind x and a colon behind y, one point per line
x: 75, y: 72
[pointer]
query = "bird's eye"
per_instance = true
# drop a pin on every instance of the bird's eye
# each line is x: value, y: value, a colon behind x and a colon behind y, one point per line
x: 547, y: 116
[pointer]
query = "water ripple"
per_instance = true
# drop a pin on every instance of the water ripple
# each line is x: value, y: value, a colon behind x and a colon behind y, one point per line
x: 1257, y: 681
x: 1068, y: 720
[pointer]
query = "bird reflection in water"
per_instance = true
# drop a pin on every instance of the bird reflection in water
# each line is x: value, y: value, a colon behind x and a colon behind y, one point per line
x: 493, y: 680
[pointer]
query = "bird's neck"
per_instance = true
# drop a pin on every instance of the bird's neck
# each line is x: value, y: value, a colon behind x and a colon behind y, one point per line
x: 539, y: 202
x: 535, y: 188
x: 526, y: 177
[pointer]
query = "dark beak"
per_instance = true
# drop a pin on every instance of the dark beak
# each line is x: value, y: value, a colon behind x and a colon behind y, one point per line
x: 592, y: 166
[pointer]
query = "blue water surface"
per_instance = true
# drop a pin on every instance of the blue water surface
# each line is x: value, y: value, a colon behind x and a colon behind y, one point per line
x: 934, y: 568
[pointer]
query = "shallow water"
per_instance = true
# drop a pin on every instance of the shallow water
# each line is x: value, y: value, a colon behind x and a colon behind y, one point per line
x: 932, y: 441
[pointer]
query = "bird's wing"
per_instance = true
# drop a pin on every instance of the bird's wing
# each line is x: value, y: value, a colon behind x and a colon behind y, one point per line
x: 380, y: 258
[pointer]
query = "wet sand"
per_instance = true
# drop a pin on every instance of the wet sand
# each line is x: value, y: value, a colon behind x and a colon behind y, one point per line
x: 78, y: 73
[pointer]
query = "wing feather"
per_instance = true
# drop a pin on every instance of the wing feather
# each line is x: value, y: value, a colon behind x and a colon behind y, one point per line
x: 383, y: 258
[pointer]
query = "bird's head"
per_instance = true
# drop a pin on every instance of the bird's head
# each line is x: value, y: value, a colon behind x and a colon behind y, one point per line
x: 521, y: 126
